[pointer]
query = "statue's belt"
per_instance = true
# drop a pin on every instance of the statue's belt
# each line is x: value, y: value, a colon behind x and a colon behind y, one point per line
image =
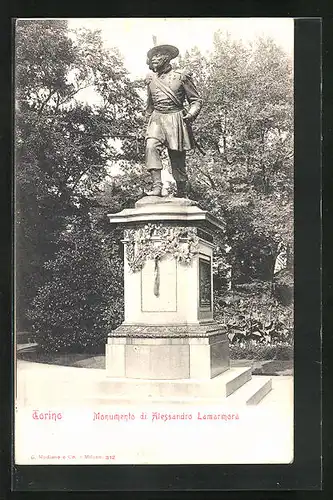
x: 167, y: 111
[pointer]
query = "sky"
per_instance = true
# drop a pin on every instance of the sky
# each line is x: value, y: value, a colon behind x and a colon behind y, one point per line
x: 133, y: 36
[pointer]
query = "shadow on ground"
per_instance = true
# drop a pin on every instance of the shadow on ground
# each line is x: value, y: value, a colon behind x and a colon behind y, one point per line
x: 88, y: 360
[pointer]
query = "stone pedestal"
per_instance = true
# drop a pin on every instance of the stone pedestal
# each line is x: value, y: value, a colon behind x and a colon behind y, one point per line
x: 167, y: 352
x: 169, y: 332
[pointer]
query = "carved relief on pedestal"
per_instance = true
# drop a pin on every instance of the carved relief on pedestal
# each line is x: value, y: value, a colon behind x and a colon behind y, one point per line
x: 153, y: 242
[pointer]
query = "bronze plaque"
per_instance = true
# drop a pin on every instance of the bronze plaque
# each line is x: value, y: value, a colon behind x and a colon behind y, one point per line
x: 205, y: 284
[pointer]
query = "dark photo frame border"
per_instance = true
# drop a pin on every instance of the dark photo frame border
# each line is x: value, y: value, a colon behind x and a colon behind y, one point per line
x: 306, y: 472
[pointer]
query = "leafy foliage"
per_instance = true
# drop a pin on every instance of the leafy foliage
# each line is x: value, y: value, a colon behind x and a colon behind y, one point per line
x: 246, y: 128
x: 251, y: 313
x: 64, y: 150
x: 82, y: 300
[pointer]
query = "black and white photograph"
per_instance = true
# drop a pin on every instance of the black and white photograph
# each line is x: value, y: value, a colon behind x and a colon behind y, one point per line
x: 154, y: 241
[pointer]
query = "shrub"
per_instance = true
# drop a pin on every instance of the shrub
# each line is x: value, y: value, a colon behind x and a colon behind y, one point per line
x: 83, y: 300
x: 253, y: 316
x: 283, y: 287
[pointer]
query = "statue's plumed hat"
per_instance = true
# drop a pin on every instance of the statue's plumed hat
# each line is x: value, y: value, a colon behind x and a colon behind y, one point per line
x: 171, y: 49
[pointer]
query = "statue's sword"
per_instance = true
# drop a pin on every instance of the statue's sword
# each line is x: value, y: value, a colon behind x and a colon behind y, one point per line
x: 195, y: 142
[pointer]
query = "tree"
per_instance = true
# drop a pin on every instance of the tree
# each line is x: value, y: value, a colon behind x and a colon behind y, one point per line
x: 245, y: 127
x: 64, y: 146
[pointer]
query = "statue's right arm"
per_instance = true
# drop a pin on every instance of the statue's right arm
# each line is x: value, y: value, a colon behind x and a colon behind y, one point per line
x: 150, y: 104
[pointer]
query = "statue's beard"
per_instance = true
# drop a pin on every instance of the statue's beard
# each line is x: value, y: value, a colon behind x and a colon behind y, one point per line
x: 159, y: 65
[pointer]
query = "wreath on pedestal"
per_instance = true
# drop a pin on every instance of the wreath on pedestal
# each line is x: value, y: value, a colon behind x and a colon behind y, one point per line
x: 154, y: 241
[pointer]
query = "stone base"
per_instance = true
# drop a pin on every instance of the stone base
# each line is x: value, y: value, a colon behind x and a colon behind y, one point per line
x: 167, y: 352
x: 235, y: 387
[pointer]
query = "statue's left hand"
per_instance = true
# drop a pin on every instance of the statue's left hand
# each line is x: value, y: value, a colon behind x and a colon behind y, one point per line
x: 188, y: 118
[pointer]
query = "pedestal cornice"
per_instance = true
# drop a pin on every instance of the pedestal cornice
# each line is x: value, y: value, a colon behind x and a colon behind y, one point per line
x: 204, y: 330
x: 153, y: 209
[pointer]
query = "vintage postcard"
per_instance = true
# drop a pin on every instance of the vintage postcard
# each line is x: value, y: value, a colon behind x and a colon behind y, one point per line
x: 154, y: 163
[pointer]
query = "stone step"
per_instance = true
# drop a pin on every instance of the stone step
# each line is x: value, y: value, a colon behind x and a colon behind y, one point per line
x: 239, y: 377
x: 252, y: 392
x: 28, y: 347
x: 76, y: 386
x: 221, y: 386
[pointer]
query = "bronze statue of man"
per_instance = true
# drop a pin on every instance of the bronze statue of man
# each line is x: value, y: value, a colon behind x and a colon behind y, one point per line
x: 169, y: 123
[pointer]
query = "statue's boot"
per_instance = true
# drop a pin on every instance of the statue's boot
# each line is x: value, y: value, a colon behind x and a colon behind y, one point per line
x: 156, y: 176
x: 182, y: 189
